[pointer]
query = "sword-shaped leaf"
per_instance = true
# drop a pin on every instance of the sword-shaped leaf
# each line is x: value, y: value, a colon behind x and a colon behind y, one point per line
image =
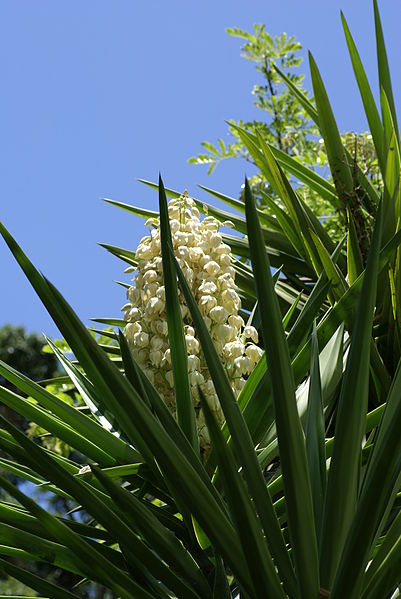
x: 81, y: 423
x: 289, y: 430
x: 354, y: 257
x: 163, y: 541
x: 35, y: 582
x: 383, y: 67
x: 264, y: 577
x: 179, y: 354
x: 315, y: 440
x: 372, y: 114
x: 339, y: 167
x: 343, y: 481
x: 83, y: 554
x: 380, y: 485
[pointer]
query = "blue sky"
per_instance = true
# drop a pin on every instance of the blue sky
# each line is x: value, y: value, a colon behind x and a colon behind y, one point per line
x: 97, y: 94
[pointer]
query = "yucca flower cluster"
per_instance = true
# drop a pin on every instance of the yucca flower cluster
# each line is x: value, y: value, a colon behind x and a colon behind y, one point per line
x: 206, y: 262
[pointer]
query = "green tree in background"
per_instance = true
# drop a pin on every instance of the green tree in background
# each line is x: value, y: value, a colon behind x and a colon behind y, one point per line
x: 24, y: 352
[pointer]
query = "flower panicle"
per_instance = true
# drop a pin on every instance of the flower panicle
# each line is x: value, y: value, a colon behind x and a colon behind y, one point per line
x: 206, y: 262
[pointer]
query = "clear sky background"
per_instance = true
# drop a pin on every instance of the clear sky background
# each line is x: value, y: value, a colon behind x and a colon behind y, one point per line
x: 96, y: 94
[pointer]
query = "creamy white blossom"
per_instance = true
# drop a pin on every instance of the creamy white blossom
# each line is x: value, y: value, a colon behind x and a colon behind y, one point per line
x: 206, y: 263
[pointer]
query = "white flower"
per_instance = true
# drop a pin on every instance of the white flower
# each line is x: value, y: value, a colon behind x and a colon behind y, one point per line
x: 161, y: 327
x: 232, y: 350
x: 150, y: 276
x: 224, y: 333
x: 215, y: 240
x: 251, y: 333
x: 195, y: 378
x: 225, y: 260
x: 218, y: 314
x: 155, y: 357
x: 131, y: 329
x: 223, y: 248
x: 207, y: 303
x: 141, y: 339
x: 170, y: 378
x: 212, y: 268
x: 236, y: 321
x: 193, y: 363
x: 192, y: 344
x: 230, y: 300
x: 208, y: 287
x: 254, y: 353
x: 156, y: 342
x: 167, y: 356
x: 242, y: 364
x: 195, y: 254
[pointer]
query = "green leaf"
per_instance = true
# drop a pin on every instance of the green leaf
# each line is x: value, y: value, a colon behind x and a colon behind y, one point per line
x: 289, y: 263
x: 179, y: 354
x: 303, y: 217
x: 171, y: 193
x: 289, y: 430
x: 381, y: 574
x: 264, y: 159
x: 162, y: 541
x: 133, y: 209
x: 345, y: 465
x: 86, y: 557
x: 111, y: 322
x: 164, y: 415
x: 335, y: 151
x: 354, y: 257
x: 221, y: 588
x: 255, y: 398
x: 258, y: 558
x: 18, y: 543
x: 95, y: 505
x: 382, y: 480
x: 372, y: 114
x: 338, y: 284
x: 35, y: 582
x: 392, y: 185
x: 88, y: 392
x: 239, y: 205
x: 340, y: 313
x: 15, y: 516
x: 287, y: 225
x: 54, y: 425
x: 300, y: 96
x: 291, y: 311
x: 125, y: 255
x: 314, y: 433
x: 383, y: 67
x: 82, y: 424
x: 314, y: 181
x: 388, y: 125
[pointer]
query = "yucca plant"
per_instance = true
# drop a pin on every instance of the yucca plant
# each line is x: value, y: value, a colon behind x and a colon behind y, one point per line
x: 299, y: 496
